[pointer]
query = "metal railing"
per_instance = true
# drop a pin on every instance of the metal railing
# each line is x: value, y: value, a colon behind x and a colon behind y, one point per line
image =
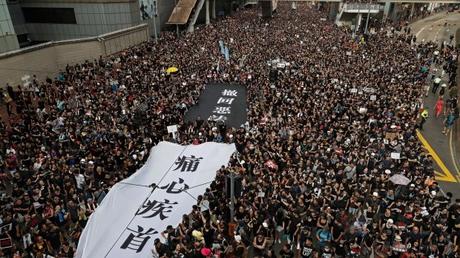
x: 246, y: 2
x: 362, y: 6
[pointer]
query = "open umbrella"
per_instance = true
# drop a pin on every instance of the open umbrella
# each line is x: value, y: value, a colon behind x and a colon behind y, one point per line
x: 399, y: 179
x: 172, y: 69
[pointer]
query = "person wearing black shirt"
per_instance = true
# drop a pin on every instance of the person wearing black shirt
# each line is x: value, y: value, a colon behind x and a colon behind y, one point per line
x: 259, y: 244
x: 208, y: 234
x: 171, y: 235
x: 286, y: 252
x: 160, y: 249
x: 306, y: 249
x: 327, y: 252
x: 66, y: 251
x: 432, y: 252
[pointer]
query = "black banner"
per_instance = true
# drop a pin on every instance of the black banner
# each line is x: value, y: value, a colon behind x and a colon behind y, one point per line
x: 221, y: 102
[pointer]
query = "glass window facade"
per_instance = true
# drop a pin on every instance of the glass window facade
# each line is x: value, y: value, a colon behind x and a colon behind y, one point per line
x: 49, y: 15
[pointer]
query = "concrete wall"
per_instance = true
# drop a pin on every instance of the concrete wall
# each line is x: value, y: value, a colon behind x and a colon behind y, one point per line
x: 115, y: 41
x: 47, y: 59
x: 165, y: 8
x: 93, y: 18
x: 8, y: 40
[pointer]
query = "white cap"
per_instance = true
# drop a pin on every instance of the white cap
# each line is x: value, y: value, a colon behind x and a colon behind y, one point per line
x: 375, y: 194
x: 237, y: 238
x: 390, y: 221
x: 387, y: 171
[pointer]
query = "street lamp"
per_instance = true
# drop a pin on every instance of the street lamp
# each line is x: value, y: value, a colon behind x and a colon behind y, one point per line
x: 155, y: 15
x: 368, y: 14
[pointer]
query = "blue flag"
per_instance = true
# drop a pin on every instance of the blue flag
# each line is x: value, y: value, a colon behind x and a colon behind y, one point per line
x: 227, y: 54
x: 221, y: 45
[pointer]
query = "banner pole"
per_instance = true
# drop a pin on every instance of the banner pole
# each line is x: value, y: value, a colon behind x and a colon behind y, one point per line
x: 232, y: 196
x: 232, y: 189
x: 155, y: 28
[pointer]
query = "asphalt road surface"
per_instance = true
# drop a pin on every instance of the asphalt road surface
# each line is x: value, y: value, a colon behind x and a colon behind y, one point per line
x: 439, y: 27
x: 445, y: 149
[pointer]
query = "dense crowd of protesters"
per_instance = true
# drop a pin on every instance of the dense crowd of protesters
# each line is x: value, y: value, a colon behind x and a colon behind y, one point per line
x: 327, y: 124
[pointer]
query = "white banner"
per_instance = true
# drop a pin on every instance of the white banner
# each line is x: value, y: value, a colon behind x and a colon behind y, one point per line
x: 137, y: 209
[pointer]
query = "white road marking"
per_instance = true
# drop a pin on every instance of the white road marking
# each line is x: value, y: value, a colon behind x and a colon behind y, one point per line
x: 420, y: 31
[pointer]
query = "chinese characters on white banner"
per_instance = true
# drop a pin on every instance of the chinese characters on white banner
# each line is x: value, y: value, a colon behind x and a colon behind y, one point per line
x: 138, y: 209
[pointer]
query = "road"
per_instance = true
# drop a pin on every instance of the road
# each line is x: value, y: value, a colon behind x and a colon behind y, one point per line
x: 433, y: 27
x: 444, y: 149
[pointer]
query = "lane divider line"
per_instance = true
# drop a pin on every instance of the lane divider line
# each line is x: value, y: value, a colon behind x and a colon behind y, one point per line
x: 452, y: 155
x: 437, y: 173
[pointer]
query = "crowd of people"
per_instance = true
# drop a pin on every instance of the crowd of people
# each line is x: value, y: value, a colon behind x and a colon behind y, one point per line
x: 328, y: 125
x: 444, y: 88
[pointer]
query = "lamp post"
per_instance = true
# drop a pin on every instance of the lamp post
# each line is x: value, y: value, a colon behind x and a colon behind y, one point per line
x: 358, y: 21
x: 177, y: 25
x: 368, y: 14
x: 155, y: 15
x: 232, y: 195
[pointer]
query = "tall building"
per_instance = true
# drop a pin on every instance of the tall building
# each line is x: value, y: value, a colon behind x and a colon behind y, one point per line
x: 8, y: 39
x: 46, y: 20
x: 27, y: 22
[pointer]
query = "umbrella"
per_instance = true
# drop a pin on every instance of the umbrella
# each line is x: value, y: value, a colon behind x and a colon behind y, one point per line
x: 172, y: 69
x: 399, y: 180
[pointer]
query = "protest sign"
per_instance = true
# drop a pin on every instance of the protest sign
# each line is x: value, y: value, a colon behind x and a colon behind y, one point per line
x: 222, y: 103
x: 137, y: 209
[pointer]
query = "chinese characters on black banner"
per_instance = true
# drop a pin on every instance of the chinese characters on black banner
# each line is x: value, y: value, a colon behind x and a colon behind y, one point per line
x: 223, y: 103
x: 160, y: 209
x: 223, y: 107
